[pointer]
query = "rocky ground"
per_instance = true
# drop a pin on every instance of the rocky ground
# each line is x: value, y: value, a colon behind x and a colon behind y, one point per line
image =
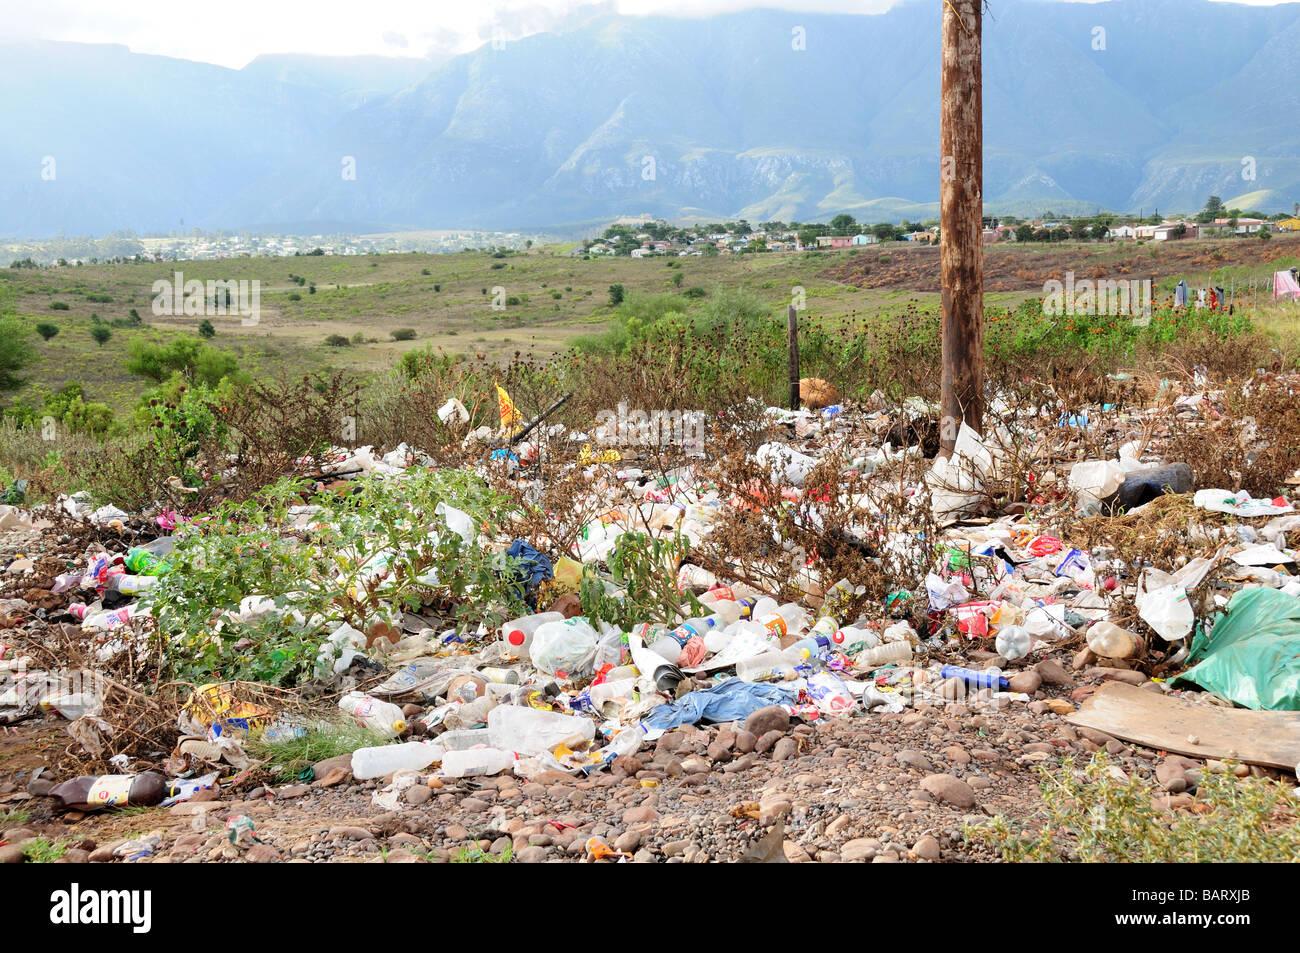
x: 873, y: 787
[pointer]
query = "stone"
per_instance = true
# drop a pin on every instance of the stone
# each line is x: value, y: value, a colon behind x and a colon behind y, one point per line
x: 640, y: 815
x: 927, y: 848
x: 767, y: 740
x: 785, y: 749
x: 533, y: 854
x: 1053, y: 673
x: 11, y: 854
x: 769, y: 718
x: 951, y: 789
x: 745, y: 741
x: 628, y: 842
x: 418, y: 794
x: 859, y: 849
x: 1027, y: 681
x: 916, y: 760
x: 262, y: 854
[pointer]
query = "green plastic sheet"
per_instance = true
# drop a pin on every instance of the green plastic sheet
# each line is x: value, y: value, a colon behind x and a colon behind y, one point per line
x: 1252, y: 654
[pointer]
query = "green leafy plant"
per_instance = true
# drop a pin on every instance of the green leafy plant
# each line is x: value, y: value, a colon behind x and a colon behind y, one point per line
x: 379, y: 550
x: 645, y: 569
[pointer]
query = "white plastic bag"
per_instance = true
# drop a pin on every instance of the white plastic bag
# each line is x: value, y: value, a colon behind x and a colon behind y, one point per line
x: 568, y: 647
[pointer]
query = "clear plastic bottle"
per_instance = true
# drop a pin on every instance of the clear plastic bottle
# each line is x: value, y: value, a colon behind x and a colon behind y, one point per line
x: 476, y: 762
x: 891, y: 653
x: 119, y: 580
x: 382, y: 718
x: 1109, y: 640
x: 517, y: 634
x: 461, y: 739
x: 382, y: 760
x: 527, y: 731
x: 851, y: 640
x: 471, y: 713
x: 1013, y: 642
x: 769, y: 665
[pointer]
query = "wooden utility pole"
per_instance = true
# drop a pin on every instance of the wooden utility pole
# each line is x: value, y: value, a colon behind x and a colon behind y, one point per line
x: 961, y: 239
x: 792, y: 343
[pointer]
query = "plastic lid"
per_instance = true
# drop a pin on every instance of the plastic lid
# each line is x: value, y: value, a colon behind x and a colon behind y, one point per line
x: 399, y: 726
x: 516, y: 637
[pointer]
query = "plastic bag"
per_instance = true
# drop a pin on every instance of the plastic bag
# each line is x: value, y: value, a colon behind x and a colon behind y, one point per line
x: 565, y: 648
x: 1252, y: 655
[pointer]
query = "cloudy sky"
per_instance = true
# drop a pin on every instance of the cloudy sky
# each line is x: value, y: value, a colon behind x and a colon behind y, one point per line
x: 232, y: 32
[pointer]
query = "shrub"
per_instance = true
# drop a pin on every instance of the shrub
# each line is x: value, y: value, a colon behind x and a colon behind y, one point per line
x: 59, y: 306
x: 404, y: 334
x: 338, y: 340
x: 47, y: 330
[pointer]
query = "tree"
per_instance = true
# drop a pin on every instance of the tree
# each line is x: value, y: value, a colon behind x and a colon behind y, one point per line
x: 843, y: 222
x: 1024, y: 233
x: 15, y: 352
x: 1213, y: 209
x: 101, y: 333
x: 47, y: 330
x: 615, y: 295
x: 206, y: 330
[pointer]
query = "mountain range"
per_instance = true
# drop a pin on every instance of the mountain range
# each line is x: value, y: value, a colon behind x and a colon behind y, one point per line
x: 1127, y: 105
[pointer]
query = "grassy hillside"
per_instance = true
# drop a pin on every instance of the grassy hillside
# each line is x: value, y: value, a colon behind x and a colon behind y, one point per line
x: 550, y: 299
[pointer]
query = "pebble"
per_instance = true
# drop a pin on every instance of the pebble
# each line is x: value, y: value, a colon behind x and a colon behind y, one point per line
x: 951, y: 789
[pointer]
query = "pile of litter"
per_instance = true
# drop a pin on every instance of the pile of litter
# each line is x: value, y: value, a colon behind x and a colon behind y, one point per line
x: 514, y: 672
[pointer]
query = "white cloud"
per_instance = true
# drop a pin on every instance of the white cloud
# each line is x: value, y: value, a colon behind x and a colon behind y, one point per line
x: 233, y: 32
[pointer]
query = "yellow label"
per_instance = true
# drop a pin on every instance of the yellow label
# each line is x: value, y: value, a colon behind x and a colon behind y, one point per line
x: 111, y: 790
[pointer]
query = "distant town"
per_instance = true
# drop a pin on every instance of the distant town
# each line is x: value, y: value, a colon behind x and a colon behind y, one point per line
x: 644, y: 236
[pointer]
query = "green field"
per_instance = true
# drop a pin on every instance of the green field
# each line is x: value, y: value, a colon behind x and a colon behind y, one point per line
x: 447, y: 300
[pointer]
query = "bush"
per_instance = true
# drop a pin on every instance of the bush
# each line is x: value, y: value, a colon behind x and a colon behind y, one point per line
x: 616, y: 294
x: 404, y: 334
x: 59, y: 306
x: 206, y: 329
x: 338, y: 340
x: 1091, y: 816
x: 47, y: 330
x: 337, y: 578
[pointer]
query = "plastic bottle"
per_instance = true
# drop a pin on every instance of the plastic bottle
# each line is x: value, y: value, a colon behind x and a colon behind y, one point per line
x: 851, y: 640
x: 476, y: 762
x: 684, y: 645
x: 381, y: 760
x: 517, y: 634
x: 985, y: 678
x: 784, y: 620
x: 382, y: 718
x: 471, y: 713
x: 891, y: 653
x: 768, y: 665
x: 144, y: 563
x: 715, y: 640
x: 1013, y: 642
x: 95, y: 792
x: 462, y: 739
x: 528, y: 731
x: 127, y: 584
x: 1111, y: 641
x: 104, y: 620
